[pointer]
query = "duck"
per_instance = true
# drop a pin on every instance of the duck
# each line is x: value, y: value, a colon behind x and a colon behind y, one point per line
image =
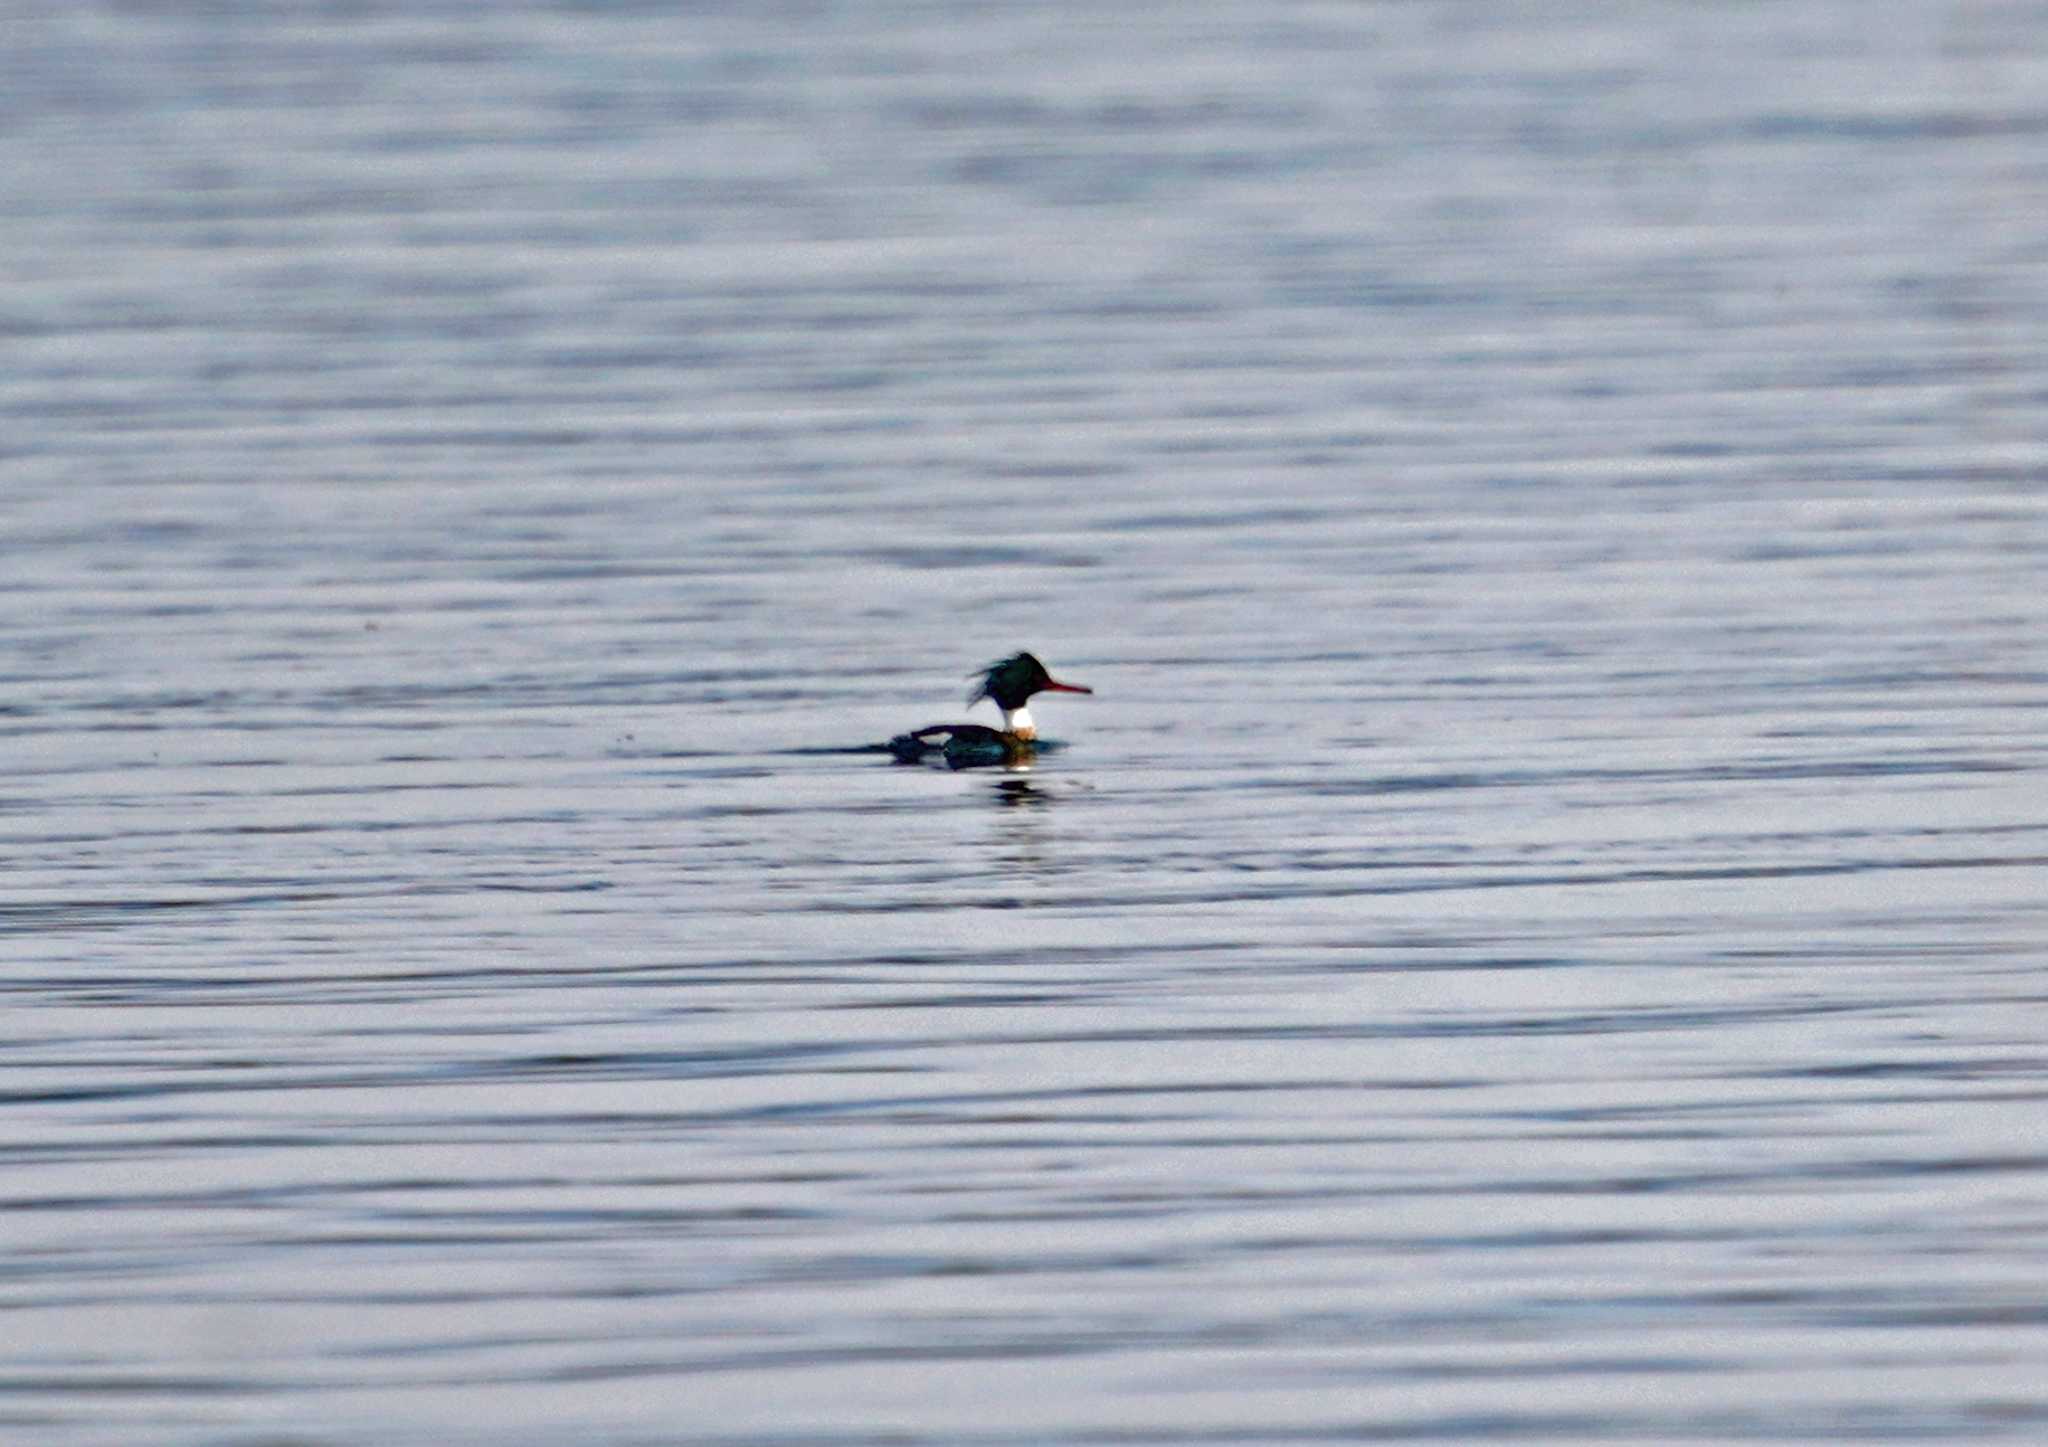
x: 1009, y: 683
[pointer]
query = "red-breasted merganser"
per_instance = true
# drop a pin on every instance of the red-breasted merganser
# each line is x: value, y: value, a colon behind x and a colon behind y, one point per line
x: 1010, y: 684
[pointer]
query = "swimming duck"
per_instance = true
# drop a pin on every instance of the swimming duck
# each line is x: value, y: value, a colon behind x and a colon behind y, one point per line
x: 1009, y: 683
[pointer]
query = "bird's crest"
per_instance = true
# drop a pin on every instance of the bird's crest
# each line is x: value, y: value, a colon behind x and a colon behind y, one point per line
x: 1014, y: 678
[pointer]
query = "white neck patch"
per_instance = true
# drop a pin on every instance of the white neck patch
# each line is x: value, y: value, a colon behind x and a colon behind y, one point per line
x: 1018, y: 721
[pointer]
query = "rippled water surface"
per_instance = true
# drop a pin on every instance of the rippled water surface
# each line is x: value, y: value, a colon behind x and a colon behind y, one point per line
x: 1537, y: 936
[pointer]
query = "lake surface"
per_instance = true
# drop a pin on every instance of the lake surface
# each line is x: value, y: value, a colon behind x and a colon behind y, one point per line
x: 1539, y: 935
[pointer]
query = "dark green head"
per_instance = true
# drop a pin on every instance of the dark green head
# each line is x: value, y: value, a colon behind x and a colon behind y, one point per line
x: 1015, y: 679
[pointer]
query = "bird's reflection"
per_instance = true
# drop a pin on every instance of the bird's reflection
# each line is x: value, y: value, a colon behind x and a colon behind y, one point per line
x: 1020, y: 842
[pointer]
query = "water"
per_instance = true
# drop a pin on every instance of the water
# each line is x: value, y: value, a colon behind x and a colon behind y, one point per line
x: 1538, y: 935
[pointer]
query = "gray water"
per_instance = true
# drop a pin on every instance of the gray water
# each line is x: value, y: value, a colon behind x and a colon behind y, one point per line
x: 1537, y: 937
